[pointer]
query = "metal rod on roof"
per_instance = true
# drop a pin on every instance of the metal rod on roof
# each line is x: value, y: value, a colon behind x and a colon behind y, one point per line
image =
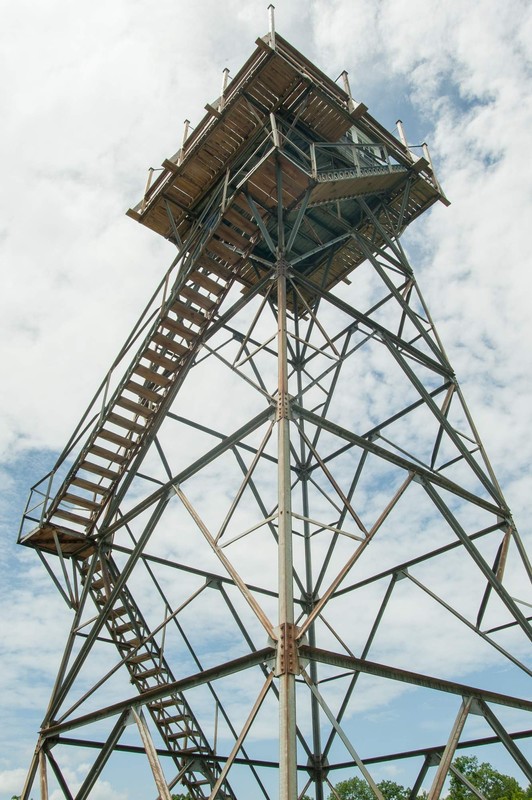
x: 347, y: 89
x: 224, y: 87
x: 147, y: 188
x: 271, y: 9
x: 183, y: 140
x: 431, y: 165
x: 401, y: 132
x: 427, y: 155
x: 345, y: 78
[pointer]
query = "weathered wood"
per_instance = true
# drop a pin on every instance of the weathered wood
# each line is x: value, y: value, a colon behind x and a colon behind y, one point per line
x: 197, y: 298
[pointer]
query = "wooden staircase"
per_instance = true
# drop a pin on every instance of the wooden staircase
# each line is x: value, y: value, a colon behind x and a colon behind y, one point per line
x: 148, y: 669
x: 125, y: 423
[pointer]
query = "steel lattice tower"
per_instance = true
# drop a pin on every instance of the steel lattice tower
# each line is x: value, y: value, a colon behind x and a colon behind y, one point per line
x: 231, y: 571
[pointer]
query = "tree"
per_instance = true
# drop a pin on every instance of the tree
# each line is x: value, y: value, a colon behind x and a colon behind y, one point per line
x: 494, y: 785
x: 489, y: 781
x: 357, y: 789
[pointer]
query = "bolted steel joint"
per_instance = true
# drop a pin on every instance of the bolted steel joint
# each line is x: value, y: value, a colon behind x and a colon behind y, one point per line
x: 287, y: 660
x: 283, y: 406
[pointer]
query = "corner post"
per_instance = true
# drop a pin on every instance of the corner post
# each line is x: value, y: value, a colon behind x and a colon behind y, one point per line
x: 287, y: 665
x: 271, y: 15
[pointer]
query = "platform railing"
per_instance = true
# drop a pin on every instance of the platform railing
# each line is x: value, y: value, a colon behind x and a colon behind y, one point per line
x: 348, y: 157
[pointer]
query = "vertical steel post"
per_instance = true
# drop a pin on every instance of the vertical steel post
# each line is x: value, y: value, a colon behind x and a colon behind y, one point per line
x: 151, y: 752
x: 309, y: 584
x: 181, y: 153
x: 347, y: 88
x: 271, y: 15
x: 401, y: 132
x: 225, y: 79
x: 43, y: 775
x: 450, y: 749
x: 285, y: 670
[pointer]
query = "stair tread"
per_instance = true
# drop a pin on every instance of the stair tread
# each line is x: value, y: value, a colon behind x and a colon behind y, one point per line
x: 151, y: 376
x: 195, y: 297
x: 137, y: 408
x: 97, y: 469
x: 170, y: 701
x: 216, y: 267
x: 208, y: 283
x: 179, y: 327
x: 135, y: 642
x: 143, y: 391
x: 180, y: 735
x: 76, y: 500
x: 138, y: 659
x: 123, y: 628
x: 222, y: 251
x: 114, y: 612
x: 233, y: 216
x: 192, y: 314
x: 85, y: 567
x: 124, y: 422
x: 170, y: 344
x: 97, y: 488
x: 149, y: 673
x: 162, y: 361
x: 175, y: 718
x: 116, y: 438
x: 109, y: 455
x: 72, y: 517
x: 232, y: 236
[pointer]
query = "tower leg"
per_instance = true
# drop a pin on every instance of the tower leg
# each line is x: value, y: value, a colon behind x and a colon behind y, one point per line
x: 32, y: 771
x: 286, y: 652
x: 43, y: 775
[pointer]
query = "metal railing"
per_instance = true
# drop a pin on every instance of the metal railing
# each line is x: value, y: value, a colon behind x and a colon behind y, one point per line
x: 331, y: 161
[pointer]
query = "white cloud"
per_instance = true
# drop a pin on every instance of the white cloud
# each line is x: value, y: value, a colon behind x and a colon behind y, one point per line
x: 92, y: 99
x: 12, y: 780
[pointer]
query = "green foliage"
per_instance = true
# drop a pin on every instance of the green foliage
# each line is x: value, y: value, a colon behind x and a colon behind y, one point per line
x: 358, y: 789
x: 393, y: 791
x: 181, y: 797
x: 491, y: 783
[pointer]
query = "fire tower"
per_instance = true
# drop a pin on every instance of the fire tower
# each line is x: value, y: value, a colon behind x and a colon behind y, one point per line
x: 278, y: 494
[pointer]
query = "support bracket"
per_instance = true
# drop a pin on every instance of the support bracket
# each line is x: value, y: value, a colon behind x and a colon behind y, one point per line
x: 287, y: 660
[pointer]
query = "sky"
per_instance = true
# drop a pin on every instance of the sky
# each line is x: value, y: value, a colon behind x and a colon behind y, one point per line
x: 93, y: 94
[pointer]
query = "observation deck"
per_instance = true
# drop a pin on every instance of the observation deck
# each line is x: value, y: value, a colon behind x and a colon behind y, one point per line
x: 280, y: 110
x: 283, y: 142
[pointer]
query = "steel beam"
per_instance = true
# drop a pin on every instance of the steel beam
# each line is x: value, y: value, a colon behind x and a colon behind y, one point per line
x: 103, y: 756
x: 160, y: 692
x: 506, y: 739
x: 410, y: 466
x: 492, y: 579
x: 149, y: 747
x: 413, y: 678
x: 450, y: 748
x: 432, y: 753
